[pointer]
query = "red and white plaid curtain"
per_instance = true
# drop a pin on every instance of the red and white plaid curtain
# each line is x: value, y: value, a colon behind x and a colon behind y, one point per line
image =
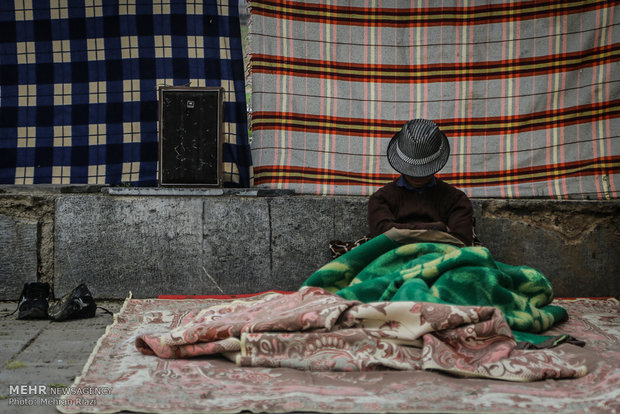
x: 527, y: 92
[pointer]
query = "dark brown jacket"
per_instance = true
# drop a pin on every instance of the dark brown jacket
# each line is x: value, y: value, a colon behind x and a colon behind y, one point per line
x: 441, y: 207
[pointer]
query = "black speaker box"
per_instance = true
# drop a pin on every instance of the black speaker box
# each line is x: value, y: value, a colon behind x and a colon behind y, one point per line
x: 190, y: 136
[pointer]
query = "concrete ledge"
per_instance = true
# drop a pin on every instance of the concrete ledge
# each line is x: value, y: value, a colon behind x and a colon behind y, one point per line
x: 196, y: 192
x: 196, y: 245
x: 188, y: 241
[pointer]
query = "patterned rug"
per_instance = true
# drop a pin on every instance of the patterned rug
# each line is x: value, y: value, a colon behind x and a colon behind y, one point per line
x: 146, y: 383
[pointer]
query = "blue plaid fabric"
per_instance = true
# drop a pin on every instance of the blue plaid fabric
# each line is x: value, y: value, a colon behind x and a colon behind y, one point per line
x: 79, y: 86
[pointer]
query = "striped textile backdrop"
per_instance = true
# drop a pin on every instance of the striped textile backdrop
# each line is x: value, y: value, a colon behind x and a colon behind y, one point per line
x: 79, y: 79
x: 528, y: 93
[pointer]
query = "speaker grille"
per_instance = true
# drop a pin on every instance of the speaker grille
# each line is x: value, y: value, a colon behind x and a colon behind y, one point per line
x: 190, y: 136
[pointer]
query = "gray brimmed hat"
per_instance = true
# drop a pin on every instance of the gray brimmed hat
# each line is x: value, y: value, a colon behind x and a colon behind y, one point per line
x: 419, y: 149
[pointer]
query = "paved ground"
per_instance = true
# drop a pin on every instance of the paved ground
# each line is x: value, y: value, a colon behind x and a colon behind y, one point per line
x: 44, y: 353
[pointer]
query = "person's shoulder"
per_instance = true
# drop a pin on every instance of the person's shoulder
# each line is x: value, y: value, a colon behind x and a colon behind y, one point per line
x: 387, y: 188
x: 445, y: 185
x: 450, y: 189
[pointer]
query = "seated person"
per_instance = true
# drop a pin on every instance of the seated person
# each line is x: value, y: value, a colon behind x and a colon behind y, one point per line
x: 418, y: 200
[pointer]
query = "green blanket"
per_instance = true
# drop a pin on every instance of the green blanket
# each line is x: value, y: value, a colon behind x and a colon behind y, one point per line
x: 393, y: 267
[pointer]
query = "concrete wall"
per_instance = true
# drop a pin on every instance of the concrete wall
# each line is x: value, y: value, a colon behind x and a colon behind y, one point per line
x: 192, y: 241
x: 26, y: 238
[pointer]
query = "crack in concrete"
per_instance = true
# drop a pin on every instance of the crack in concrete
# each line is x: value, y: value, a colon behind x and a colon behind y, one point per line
x: 39, y: 209
x: 27, y: 344
x: 212, y: 280
x: 270, y: 238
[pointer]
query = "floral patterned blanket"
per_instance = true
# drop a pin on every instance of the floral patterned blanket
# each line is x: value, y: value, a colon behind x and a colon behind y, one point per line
x: 313, y: 329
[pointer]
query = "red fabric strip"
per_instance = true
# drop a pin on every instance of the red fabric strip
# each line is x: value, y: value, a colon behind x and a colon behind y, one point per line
x: 431, y: 16
x: 602, y: 165
x: 560, y: 117
x: 243, y: 295
x: 436, y: 72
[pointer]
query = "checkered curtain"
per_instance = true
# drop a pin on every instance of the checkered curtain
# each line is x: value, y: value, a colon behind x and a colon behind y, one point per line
x: 528, y: 93
x: 79, y: 82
